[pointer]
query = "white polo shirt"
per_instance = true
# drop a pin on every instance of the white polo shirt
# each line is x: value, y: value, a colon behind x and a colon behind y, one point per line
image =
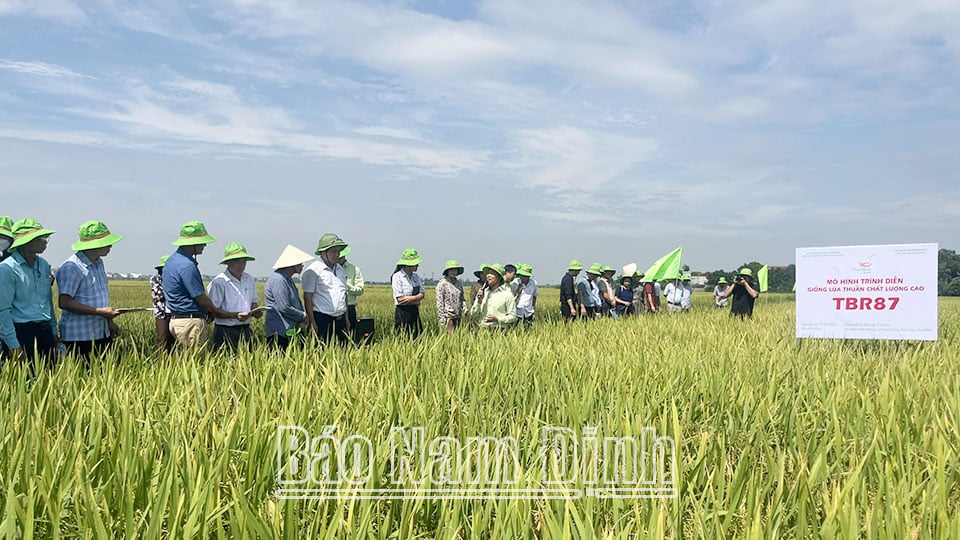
x: 525, y: 307
x: 231, y: 294
x: 328, y: 285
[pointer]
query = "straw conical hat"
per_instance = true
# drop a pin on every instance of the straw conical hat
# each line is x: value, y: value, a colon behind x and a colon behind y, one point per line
x: 630, y: 269
x: 292, y: 256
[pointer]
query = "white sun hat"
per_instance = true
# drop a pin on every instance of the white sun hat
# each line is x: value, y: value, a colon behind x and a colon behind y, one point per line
x: 292, y: 256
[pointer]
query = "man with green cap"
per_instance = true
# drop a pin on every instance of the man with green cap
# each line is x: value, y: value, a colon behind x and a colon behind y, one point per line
x: 325, y: 291
x: 86, y: 318
x: 605, y: 287
x: 28, y: 326
x: 589, y: 293
x: 526, y: 294
x: 569, y: 300
x: 183, y: 288
x: 355, y: 285
x: 451, y: 304
x: 234, y: 290
x: 719, y: 293
x: 6, y: 236
x: 744, y: 294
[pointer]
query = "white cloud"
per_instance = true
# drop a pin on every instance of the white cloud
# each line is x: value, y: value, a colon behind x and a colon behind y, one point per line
x: 40, y: 69
x: 61, y: 10
x: 394, y: 133
x: 570, y: 159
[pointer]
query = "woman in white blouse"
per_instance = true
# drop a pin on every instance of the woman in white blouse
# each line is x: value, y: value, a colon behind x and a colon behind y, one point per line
x: 407, y: 293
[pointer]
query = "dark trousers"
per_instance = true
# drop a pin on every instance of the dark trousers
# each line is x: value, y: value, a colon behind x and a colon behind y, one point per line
x: 36, y: 339
x: 83, y: 349
x: 231, y: 336
x: 329, y: 327
x: 567, y: 314
x: 352, y: 315
x: 277, y: 341
x: 527, y: 320
x: 406, y: 320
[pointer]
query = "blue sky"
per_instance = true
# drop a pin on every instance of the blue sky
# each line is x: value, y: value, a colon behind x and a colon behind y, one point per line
x: 533, y: 131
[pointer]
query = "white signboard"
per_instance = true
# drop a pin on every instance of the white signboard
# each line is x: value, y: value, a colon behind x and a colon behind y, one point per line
x: 867, y: 292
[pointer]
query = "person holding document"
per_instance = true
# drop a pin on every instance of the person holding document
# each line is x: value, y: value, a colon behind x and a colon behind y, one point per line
x: 86, y: 321
x: 234, y: 290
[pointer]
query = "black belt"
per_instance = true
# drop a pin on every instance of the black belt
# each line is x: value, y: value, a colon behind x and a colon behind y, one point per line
x: 33, y: 323
x: 188, y: 315
x: 674, y: 303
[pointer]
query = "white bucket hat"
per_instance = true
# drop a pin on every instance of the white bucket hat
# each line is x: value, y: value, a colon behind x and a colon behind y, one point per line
x: 292, y: 256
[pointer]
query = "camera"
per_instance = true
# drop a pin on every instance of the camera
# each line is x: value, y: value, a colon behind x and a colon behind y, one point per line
x: 738, y: 279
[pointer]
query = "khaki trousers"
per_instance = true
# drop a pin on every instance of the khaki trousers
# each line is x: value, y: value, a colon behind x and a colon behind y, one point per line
x: 188, y: 332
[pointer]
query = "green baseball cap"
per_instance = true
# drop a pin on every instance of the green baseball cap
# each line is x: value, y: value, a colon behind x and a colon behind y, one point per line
x: 575, y: 265
x: 94, y: 235
x: 453, y: 264
x: 6, y: 226
x: 595, y: 269
x: 25, y: 230
x: 524, y: 269
x: 345, y: 251
x: 327, y: 241
x: 410, y: 257
x: 479, y: 273
x: 235, y: 251
x: 163, y: 261
x: 194, y: 233
x: 746, y: 272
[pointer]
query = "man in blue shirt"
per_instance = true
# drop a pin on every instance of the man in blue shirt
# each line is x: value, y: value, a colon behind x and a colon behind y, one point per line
x: 28, y: 327
x: 183, y: 290
x: 86, y: 320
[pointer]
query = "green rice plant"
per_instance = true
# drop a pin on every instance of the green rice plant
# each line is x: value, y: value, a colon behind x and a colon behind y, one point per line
x: 774, y: 437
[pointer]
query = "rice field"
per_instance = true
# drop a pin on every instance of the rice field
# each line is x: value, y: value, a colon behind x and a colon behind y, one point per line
x: 774, y: 438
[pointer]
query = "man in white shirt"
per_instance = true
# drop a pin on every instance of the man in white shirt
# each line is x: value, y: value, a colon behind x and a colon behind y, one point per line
x: 325, y: 291
x: 686, y: 297
x: 234, y: 290
x: 673, y: 294
x: 527, y: 293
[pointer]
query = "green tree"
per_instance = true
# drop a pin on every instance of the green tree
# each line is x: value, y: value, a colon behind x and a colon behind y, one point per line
x: 948, y: 273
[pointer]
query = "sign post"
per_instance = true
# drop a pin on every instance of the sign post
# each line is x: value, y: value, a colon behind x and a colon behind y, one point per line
x: 868, y: 292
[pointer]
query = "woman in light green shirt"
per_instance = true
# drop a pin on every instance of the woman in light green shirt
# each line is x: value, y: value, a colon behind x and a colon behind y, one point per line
x: 496, y: 306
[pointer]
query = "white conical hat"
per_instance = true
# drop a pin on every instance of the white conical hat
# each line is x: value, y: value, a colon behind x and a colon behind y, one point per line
x: 292, y: 256
x: 630, y: 269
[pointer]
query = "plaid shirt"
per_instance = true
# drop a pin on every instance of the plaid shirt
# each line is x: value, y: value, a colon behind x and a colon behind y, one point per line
x: 86, y: 283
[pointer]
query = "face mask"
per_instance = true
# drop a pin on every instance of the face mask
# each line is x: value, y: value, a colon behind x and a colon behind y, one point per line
x: 4, y: 243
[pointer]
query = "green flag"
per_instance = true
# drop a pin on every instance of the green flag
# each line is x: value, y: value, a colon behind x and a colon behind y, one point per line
x: 666, y: 267
x: 762, y: 277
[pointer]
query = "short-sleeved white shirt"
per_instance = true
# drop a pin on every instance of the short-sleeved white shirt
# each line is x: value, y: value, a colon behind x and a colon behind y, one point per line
x: 329, y: 288
x: 231, y: 294
x: 404, y: 285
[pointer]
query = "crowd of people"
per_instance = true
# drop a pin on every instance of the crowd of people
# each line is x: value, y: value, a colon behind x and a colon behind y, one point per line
x: 502, y: 297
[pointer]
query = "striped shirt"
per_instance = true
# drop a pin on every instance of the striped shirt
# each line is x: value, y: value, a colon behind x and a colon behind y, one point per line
x: 86, y: 283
